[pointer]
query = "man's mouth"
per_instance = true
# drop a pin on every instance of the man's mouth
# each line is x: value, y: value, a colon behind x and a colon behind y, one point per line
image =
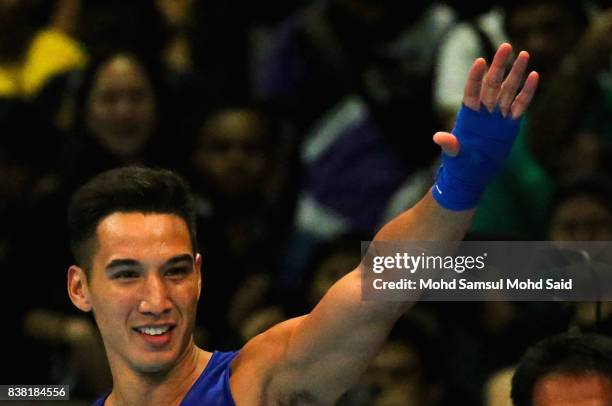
x: 156, y: 336
x: 154, y: 331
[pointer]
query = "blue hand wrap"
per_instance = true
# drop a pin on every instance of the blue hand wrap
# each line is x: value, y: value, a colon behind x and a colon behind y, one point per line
x: 485, y: 141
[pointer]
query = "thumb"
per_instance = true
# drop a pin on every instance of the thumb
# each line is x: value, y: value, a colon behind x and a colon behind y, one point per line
x: 448, y: 142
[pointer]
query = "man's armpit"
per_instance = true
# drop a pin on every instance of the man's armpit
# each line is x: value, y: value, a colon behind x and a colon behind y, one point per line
x: 297, y: 397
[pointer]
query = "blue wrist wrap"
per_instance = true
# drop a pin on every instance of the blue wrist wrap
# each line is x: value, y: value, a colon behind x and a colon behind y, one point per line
x: 485, y: 141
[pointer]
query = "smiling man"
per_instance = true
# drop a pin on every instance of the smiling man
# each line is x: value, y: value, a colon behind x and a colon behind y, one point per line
x: 138, y: 271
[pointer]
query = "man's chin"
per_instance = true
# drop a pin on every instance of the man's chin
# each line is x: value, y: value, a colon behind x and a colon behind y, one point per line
x: 154, y: 366
x: 150, y: 362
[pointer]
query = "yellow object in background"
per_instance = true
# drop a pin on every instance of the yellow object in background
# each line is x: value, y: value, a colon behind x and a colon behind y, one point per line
x: 50, y: 52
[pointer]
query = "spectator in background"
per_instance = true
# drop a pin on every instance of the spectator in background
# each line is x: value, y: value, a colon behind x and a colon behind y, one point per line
x: 517, y: 202
x: 121, y: 116
x: 140, y: 27
x: 564, y: 370
x: 354, y: 79
x: 233, y: 168
x: 571, y: 131
x: 551, y: 29
x: 582, y: 211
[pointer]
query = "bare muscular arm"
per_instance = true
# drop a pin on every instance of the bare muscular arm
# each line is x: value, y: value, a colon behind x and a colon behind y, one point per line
x: 315, y: 358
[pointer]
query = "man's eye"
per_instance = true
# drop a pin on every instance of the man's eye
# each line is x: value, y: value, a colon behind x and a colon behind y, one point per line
x: 176, y: 271
x: 125, y: 275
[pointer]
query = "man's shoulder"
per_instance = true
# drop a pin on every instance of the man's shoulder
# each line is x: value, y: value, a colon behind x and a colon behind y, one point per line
x: 260, y: 361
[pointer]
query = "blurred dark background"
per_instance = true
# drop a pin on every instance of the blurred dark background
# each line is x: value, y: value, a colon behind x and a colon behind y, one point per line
x: 302, y: 127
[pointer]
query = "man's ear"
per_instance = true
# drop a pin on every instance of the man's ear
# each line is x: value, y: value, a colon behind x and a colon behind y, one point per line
x: 198, y: 269
x: 78, y: 289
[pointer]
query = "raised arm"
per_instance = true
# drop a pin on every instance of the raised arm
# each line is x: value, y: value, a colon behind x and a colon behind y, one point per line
x: 481, y: 140
x: 317, y: 357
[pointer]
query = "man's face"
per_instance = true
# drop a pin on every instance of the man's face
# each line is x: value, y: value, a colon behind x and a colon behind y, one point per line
x: 576, y: 390
x: 143, y: 289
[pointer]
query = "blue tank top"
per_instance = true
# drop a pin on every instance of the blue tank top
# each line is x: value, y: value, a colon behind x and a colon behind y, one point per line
x: 212, y: 386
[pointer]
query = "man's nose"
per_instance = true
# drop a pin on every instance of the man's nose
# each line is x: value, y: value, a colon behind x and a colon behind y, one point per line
x: 155, y: 300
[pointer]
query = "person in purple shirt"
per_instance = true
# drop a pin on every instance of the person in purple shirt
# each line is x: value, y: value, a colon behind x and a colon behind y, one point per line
x: 138, y: 270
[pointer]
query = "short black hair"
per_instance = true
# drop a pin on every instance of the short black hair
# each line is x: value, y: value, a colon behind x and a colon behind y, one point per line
x: 573, y: 354
x: 128, y: 190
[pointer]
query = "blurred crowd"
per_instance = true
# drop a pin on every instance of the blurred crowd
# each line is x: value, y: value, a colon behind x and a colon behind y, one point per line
x: 302, y: 127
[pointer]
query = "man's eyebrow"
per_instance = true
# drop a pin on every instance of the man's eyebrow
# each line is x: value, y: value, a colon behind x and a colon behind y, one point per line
x: 178, y: 259
x: 117, y: 263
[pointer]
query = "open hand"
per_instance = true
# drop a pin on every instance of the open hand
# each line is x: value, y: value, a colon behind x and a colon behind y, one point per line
x: 488, y: 88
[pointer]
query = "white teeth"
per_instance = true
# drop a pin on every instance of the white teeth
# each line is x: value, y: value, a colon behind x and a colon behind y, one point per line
x: 153, y: 331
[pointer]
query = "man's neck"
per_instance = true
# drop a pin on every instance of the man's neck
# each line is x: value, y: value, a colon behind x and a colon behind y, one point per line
x: 169, y: 388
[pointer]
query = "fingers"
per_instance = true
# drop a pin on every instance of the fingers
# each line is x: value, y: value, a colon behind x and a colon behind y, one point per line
x: 512, y: 83
x: 524, y: 97
x: 493, y: 79
x: 448, y: 142
x: 490, y: 88
x: 473, y: 85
